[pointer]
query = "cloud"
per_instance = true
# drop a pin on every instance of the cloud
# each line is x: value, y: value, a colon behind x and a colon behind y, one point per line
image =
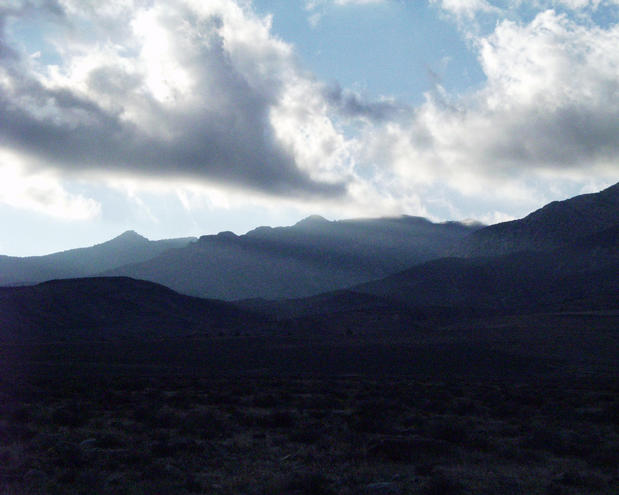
x: 358, y: 2
x: 202, y: 99
x: 184, y: 89
x: 41, y: 192
x: 465, y: 8
x: 354, y: 106
x: 547, y: 116
x: 471, y: 8
x: 317, y: 8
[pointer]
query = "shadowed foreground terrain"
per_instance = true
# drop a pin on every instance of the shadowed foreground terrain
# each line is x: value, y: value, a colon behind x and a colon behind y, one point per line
x: 347, y: 435
x: 510, y: 405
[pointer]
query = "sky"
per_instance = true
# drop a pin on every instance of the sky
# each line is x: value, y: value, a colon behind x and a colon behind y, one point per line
x: 189, y: 117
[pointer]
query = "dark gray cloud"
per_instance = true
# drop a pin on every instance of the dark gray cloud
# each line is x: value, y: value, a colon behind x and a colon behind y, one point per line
x: 225, y: 136
x: 351, y: 105
x: 570, y: 137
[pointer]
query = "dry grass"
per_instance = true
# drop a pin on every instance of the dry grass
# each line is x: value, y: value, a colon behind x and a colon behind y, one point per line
x: 259, y: 436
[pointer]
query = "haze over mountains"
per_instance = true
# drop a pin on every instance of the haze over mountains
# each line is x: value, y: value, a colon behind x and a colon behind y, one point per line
x: 315, y: 255
x: 128, y: 247
x: 565, y: 255
x: 312, y: 256
x: 553, y: 264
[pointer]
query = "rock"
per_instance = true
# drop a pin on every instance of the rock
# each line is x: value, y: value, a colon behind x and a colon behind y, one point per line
x: 88, y: 444
x: 35, y: 477
x: 383, y: 488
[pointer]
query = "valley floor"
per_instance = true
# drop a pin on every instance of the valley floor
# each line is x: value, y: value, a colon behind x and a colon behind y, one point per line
x: 346, y: 435
x: 473, y: 408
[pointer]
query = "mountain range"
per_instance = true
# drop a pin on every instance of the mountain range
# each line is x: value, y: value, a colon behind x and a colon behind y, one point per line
x: 556, y: 224
x: 381, y: 274
x: 513, y: 267
x: 127, y: 248
x: 313, y: 256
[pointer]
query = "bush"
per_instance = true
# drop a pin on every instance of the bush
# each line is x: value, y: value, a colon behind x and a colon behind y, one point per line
x: 72, y: 415
x: 310, y: 484
x: 204, y: 423
x: 442, y: 485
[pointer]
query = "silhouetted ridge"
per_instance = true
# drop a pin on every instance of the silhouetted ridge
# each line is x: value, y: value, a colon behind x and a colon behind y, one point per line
x: 581, y: 274
x: 311, y: 221
x: 128, y: 236
x: 313, y: 256
x: 111, y: 307
x: 221, y: 237
x: 550, y: 227
x: 128, y: 247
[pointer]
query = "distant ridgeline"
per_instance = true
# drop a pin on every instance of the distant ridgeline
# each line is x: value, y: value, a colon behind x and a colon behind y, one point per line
x: 127, y: 248
x: 313, y: 256
x: 563, y: 257
x: 381, y: 274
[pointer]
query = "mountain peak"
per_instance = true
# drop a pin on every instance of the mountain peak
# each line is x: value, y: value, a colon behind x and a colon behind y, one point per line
x: 227, y: 235
x: 130, y: 236
x: 311, y: 221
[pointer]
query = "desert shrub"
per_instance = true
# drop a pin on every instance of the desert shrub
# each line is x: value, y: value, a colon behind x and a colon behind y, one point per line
x: 425, y: 469
x: 108, y: 440
x: 406, y: 450
x: 165, y: 448
x: 372, y: 416
x: 163, y: 417
x: 450, y: 429
x: 134, y: 458
x: 545, y: 439
x: 72, y: 415
x: 276, y: 419
x: 142, y: 414
x: 605, y: 457
x: 307, y: 435
x: 6, y: 458
x: 575, y: 478
x: 20, y: 414
x: 179, y: 400
x: 203, y: 423
x: 555, y: 488
x: 310, y: 484
x: 439, y: 484
x: 510, y: 409
x: 266, y: 401
x: 67, y: 455
x: 222, y: 398
x: 19, y: 432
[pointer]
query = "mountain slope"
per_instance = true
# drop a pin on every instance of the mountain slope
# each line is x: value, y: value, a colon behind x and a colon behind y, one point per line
x: 128, y: 247
x: 549, y: 227
x: 96, y: 308
x: 313, y: 256
x: 580, y: 275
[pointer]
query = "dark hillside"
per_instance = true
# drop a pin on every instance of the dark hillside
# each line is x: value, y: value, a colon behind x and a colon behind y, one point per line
x: 128, y: 247
x: 102, y: 308
x: 550, y: 227
x: 308, y: 258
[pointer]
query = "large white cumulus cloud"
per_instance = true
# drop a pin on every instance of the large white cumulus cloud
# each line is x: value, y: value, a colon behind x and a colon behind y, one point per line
x: 194, y: 90
x: 548, y: 114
